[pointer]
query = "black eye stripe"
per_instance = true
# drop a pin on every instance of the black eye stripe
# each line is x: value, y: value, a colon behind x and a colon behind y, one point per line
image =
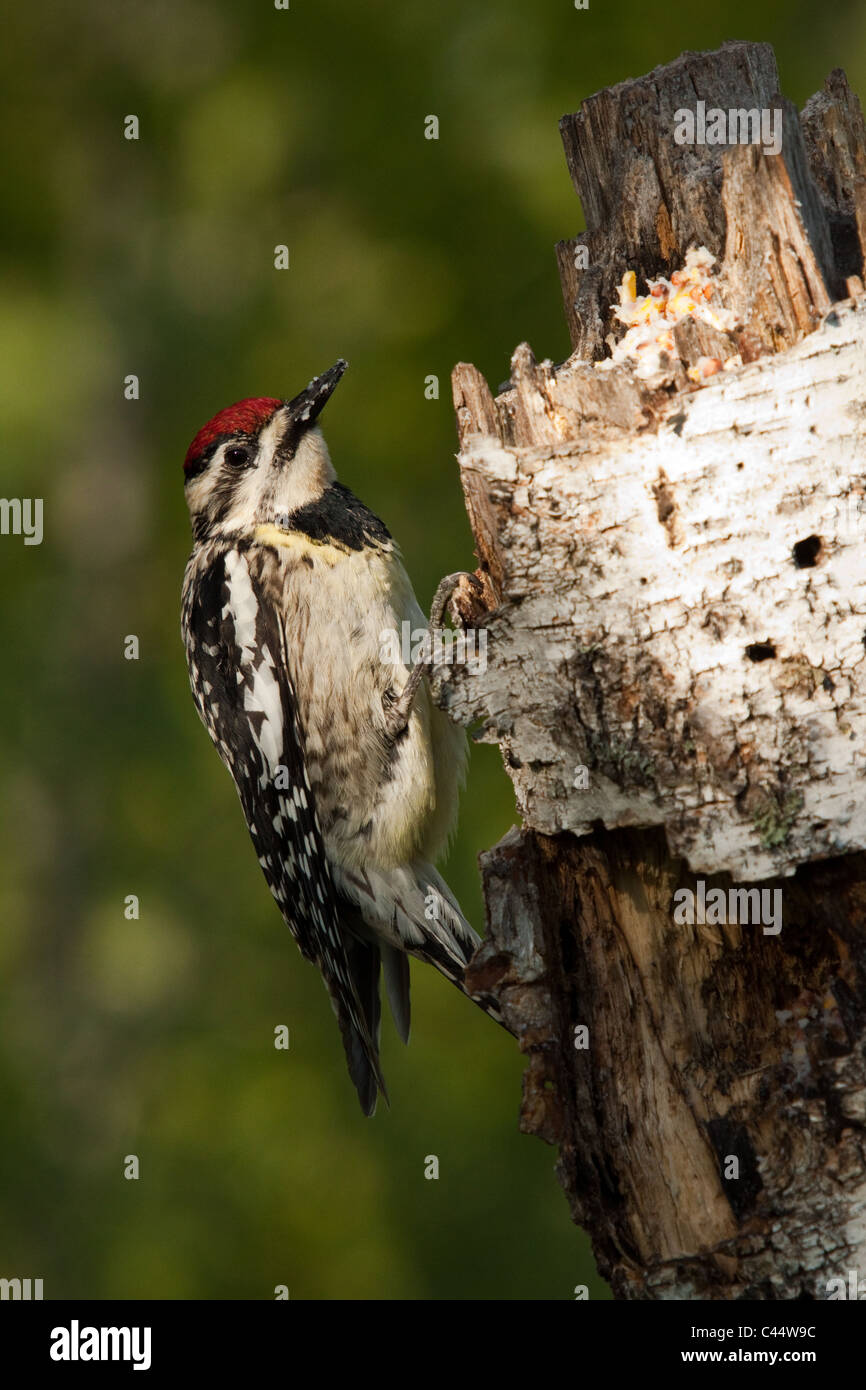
x: 207, y: 458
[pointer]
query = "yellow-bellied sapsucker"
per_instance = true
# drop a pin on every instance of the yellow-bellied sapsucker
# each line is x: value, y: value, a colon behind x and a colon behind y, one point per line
x: 348, y: 774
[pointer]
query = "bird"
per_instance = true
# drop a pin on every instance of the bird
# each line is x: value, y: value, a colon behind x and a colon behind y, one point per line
x: 348, y: 774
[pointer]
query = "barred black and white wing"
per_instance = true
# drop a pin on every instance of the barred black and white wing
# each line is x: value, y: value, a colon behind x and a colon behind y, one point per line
x: 236, y: 652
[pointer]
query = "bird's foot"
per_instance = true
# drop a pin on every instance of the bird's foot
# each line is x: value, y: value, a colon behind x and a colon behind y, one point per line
x: 399, y: 710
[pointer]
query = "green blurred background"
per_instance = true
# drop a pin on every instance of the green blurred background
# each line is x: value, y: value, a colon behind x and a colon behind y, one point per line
x: 155, y: 1037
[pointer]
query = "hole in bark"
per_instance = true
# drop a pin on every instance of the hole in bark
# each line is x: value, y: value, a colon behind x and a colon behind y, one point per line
x: 760, y: 651
x: 731, y: 1141
x: 806, y: 552
x: 666, y: 507
x: 665, y: 504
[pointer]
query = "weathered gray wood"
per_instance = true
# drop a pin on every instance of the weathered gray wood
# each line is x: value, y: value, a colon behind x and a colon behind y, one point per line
x: 646, y: 199
x: 790, y: 227
x: 778, y: 267
x: 835, y: 138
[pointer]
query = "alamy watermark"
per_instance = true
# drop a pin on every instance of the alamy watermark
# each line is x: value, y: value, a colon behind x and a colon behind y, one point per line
x: 716, y: 907
x: 77, y: 1343
x: 843, y: 1288
x: 21, y: 1289
x: 22, y: 516
x: 736, y: 126
x: 413, y: 645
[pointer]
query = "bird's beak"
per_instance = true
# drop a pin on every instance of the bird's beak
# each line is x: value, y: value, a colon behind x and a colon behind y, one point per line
x: 302, y: 411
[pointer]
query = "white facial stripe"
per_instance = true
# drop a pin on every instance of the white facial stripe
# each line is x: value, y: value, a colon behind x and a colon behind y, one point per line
x: 197, y: 490
x: 308, y: 474
x: 270, y: 438
x: 245, y: 501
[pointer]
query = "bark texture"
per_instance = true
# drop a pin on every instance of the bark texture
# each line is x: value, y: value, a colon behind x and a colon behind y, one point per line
x: 675, y: 599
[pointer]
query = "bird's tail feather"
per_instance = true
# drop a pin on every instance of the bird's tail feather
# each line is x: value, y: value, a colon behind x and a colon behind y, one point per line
x: 361, y: 1026
x: 412, y: 908
x: 395, y: 966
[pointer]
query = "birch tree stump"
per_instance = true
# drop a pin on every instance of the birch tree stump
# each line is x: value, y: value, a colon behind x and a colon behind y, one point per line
x: 675, y: 604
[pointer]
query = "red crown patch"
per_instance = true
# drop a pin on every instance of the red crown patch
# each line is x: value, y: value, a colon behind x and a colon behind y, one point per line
x: 245, y: 417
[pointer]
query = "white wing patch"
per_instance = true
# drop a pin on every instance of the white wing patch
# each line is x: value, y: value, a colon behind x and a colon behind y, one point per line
x: 262, y: 694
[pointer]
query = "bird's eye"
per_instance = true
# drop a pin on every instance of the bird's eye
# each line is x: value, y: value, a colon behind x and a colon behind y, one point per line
x: 237, y: 456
